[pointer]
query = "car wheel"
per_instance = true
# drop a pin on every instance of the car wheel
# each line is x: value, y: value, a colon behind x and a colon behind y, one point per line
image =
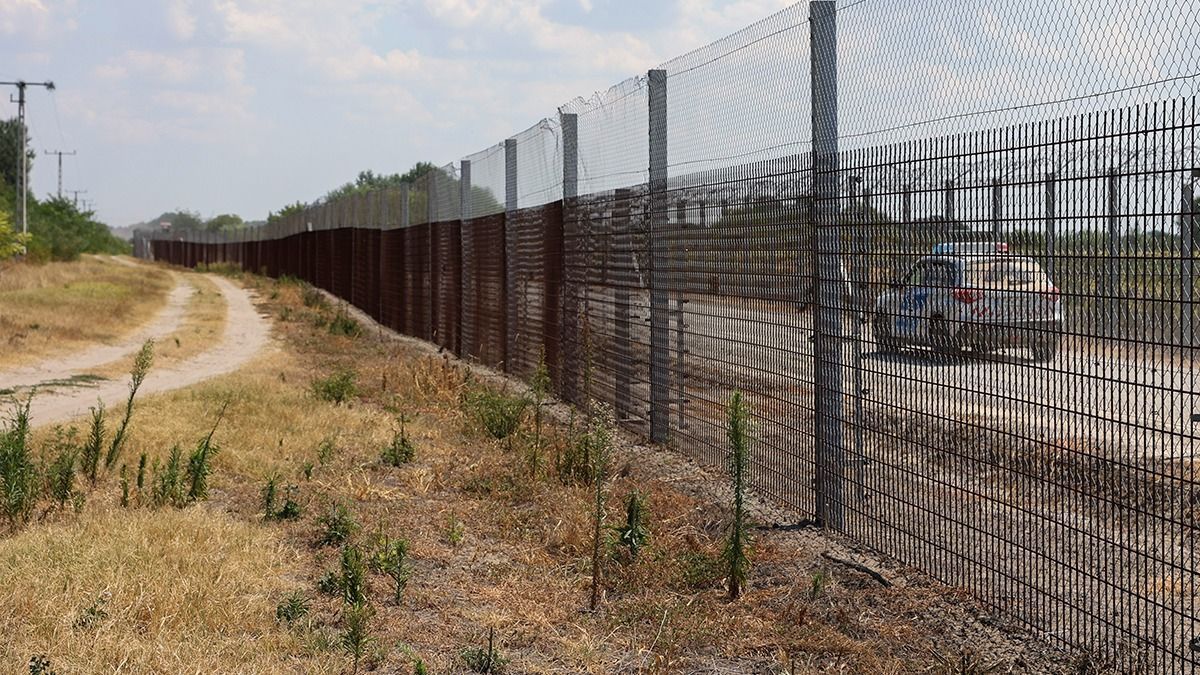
x: 940, y: 338
x: 883, y: 334
x: 1046, y: 348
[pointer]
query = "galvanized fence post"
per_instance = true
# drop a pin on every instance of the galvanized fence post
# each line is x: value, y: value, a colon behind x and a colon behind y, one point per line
x: 660, y: 320
x: 511, y: 202
x: 829, y: 367
x: 569, y: 348
x: 464, y: 178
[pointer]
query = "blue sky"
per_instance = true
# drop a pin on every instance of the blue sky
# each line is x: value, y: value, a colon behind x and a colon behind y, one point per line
x: 245, y: 105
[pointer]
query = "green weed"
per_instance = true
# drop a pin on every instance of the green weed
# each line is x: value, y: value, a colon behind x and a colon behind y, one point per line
x: 18, y: 475
x: 338, y: 388
x: 337, y: 526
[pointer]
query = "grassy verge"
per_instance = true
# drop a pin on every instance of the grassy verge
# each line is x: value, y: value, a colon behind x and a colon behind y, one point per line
x: 461, y: 555
x: 52, y: 308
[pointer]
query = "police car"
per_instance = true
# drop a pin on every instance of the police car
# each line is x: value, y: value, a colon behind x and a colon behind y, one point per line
x: 972, y: 295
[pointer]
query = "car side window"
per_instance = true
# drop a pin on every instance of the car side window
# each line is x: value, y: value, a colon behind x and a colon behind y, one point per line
x: 916, y: 276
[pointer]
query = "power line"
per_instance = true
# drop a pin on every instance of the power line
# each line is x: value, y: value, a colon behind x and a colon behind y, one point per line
x: 21, y: 85
x: 60, y: 154
x: 76, y: 193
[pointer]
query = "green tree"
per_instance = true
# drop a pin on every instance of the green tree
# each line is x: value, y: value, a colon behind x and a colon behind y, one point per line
x: 10, y: 152
x: 226, y: 222
x: 60, y: 231
x: 184, y: 220
x: 285, y: 212
x: 12, y: 243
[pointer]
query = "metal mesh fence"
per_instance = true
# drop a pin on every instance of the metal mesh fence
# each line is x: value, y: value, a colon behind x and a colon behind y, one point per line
x: 487, y: 182
x: 539, y: 164
x: 948, y: 255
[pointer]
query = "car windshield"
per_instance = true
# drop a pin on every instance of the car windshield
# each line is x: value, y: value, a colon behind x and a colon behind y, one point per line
x: 1005, y: 273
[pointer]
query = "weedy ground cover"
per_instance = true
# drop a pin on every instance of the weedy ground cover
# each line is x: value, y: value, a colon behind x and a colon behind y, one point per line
x: 461, y: 558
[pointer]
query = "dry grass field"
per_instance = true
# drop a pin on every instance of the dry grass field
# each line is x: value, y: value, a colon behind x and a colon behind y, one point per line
x: 52, y: 308
x: 115, y: 580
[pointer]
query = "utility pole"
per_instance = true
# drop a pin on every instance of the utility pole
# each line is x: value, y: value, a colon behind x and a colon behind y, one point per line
x: 76, y: 194
x: 60, y: 154
x: 21, y: 85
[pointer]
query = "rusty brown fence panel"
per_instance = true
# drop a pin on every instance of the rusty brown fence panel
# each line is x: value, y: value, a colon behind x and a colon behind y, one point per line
x: 535, y: 239
x: 448, y: 278
x: 391, y: 280
x: 483, y: 290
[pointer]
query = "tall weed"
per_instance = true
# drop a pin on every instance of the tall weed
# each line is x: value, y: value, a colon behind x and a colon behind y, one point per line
x: 18, y: 475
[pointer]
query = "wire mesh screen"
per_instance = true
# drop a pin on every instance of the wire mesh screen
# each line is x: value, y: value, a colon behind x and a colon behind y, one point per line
x: 539, y: 164
x: 947, y: 253
x: 735, y: 251
x: 613, y: 129
x: 487, y: 181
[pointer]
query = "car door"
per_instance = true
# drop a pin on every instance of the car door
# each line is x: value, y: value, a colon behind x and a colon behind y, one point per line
x: 913, y: 296
x: 924, y: 294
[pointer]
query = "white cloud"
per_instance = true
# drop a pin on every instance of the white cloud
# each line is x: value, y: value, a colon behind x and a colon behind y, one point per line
x: 36, y: 19
x: 180, y: 21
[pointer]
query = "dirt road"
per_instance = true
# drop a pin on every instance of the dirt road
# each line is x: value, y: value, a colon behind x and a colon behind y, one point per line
x: 247, y: 333
x: 60, y: 368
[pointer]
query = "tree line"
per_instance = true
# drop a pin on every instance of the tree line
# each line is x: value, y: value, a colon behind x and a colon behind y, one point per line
x: 58, y: 228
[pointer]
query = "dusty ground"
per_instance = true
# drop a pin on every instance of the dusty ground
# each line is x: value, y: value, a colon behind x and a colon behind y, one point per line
x: 494, y: 546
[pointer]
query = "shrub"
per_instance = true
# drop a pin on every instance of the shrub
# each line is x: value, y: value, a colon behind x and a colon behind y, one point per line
x: 337, y: 526
x: 485, y: 660
x: 356, y: 637
x: 60, y: 475
x: 633, y: 533
x: 391, y: 558
x: 168, y: 483
x: 455, y: 531
x: 313, y: 298
x: 353, y: 580
x: 269, y: 494
x: 12, y: 243
x: 499, y: 414
x: 337, y: 388
x: 90, y: 460
x: 344, y: 324
x: 18, y: 475
x: 400, y: 450
x: 539, y: 389
x: 40, y: 665
x: 734, y: 557
x: 325, y: 450
x: 93, y: 614
x: 292, y: 608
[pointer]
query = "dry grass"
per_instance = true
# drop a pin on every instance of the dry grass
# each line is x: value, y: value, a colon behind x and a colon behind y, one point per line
x: 491, y: 548
x: 52, y: 308
x: 187, y: 591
